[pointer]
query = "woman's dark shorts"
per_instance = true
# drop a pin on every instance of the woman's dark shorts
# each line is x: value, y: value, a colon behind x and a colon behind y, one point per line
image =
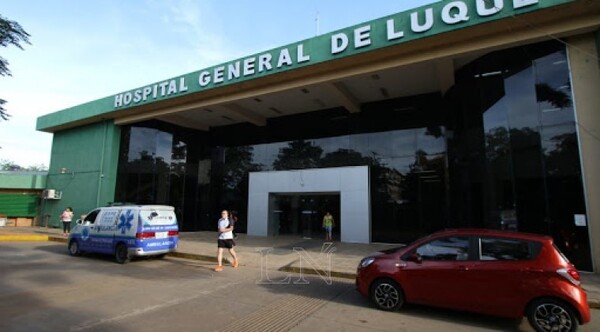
x: 226, y: 243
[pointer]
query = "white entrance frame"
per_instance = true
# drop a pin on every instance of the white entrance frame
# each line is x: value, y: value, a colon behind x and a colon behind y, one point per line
x: 352, y: 183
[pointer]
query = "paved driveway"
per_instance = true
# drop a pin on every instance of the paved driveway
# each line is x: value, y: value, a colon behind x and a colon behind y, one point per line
x: 44, y: 289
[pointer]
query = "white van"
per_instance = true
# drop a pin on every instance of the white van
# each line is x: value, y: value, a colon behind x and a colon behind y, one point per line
x: 126, y: 231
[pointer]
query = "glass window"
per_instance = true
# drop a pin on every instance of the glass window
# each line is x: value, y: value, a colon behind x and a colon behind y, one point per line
x: 360, y: 143
x: 553, y: 89
x: 91, y: 217
x: 493, y: 249
x: 453, y: 248
x: 431, y: 140
x: 520, y: 91
x: 390, y: 144
x: 333, y: 144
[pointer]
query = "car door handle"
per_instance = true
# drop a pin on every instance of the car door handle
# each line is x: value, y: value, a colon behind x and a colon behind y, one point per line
x: 463, y: 268
x: 532, y: 270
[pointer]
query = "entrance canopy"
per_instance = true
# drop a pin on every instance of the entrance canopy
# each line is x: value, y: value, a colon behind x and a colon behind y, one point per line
x: 405, y: 54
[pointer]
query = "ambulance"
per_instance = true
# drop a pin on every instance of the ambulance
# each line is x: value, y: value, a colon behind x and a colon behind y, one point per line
x: 126, y: 231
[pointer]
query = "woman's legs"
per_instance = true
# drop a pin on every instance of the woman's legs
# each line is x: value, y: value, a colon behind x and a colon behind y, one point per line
x: 328, y: 233
x: 219, y: 260
x: 233, y: 254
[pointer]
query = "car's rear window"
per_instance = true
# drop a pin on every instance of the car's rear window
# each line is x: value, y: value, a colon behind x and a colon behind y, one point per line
x: 494, y: 249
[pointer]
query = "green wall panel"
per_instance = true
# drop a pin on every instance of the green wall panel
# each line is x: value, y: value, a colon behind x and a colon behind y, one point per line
x: 22, y: 180
x: 19, y: 205
x: 83, y: 167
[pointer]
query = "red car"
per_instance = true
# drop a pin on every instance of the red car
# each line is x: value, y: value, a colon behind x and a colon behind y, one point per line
x: 492, y: 272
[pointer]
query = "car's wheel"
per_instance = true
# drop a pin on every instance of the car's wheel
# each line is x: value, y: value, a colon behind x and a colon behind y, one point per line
x: 74, y: 248
x: 551, y: 315
x: 122, y: 254
x: 386, y: 294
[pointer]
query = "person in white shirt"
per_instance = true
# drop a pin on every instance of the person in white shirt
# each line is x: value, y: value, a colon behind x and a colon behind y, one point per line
x: 225, y: 240
x: 66, y: 216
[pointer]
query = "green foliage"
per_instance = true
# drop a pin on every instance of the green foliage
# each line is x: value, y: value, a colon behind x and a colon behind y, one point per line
x: 8, y: 165
x: 11, y: 33
x: 299, y: 154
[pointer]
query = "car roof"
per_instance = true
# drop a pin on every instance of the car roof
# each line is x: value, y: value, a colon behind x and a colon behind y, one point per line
x: 493, y: 232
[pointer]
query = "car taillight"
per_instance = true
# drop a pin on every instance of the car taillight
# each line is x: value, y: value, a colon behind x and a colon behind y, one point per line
x: 173, y: 233
x: 144, y: 235
x: 570, y: 274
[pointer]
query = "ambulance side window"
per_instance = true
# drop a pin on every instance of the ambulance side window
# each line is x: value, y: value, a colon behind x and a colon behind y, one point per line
x: 108, y: 217
x: 91, y: 217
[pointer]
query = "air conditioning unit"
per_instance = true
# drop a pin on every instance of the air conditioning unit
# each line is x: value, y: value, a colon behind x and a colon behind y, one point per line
x: 53, y: 194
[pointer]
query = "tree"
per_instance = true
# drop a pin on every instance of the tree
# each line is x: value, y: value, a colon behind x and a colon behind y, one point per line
x: 299, y: 154
x: 8, y: 165
x: 11, y: 33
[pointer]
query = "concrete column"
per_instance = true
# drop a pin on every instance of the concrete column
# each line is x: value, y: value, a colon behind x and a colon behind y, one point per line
x: 585, y: 79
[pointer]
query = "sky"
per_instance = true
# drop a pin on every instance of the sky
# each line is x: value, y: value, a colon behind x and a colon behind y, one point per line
x: 85, y: 50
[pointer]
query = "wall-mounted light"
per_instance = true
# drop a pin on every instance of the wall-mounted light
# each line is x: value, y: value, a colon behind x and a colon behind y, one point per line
x: 64, y: 170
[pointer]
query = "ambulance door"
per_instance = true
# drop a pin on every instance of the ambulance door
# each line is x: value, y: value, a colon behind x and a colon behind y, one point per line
x: 104, y: 232
x: 87, y: 228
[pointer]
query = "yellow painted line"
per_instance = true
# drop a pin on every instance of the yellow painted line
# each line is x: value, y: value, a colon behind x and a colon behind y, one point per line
x: 23, y: 238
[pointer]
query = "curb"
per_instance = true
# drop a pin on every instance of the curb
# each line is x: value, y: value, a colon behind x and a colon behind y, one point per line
x: 57, y: 239
x: 319, y: 272
x: 24, y: 238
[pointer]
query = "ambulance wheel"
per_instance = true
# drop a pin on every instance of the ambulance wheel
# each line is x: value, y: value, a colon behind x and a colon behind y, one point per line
x: 74, y: 248
x: 122, y: 254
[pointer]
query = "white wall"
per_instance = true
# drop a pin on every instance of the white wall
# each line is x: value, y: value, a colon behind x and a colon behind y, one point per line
x: 351, y: 182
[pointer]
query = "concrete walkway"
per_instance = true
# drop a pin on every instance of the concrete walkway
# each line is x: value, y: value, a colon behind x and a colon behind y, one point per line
x: 283, y: 253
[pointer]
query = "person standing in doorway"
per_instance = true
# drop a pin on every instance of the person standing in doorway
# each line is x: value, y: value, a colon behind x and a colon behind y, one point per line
x: 328, y: 224
x: 66, y: 216
x: 225, y: 240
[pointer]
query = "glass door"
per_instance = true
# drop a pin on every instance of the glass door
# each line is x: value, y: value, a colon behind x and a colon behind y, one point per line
x: 302, y: 214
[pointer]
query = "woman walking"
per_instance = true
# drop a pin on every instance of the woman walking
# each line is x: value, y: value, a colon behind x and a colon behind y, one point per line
x: 225, y: 240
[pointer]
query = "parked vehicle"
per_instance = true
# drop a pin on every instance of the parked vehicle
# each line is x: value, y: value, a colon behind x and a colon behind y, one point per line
x: 126, y: 231
x: 501, y: 273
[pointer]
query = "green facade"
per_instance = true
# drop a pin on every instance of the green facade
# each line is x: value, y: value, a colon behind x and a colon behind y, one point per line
x: 83, y: 167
